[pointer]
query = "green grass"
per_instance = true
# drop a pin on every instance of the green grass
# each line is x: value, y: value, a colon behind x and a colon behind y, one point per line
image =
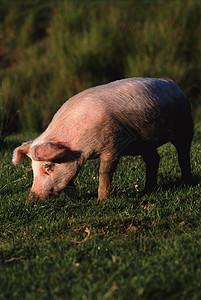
x: 51, y: 50
x: 135, y: 246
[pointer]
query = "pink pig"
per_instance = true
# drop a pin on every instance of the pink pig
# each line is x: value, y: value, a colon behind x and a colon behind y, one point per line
x: 126, y: 117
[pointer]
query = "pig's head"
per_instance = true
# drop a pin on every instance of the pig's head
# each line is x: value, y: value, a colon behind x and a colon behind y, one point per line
x: 53, y: 164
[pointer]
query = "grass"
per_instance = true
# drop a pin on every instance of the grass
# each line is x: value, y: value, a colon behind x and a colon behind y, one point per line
x: 135, y: 246
x: 51, y: 50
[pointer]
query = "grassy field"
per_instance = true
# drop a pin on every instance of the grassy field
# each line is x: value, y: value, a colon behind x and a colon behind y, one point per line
x: 53, y: 49
x: 135, y: 246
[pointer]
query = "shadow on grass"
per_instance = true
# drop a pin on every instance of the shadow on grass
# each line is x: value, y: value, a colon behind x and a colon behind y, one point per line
x: 133, y: 194
x: 178, y: 183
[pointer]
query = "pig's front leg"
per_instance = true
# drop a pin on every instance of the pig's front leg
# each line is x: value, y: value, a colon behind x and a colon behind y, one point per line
x: 106, y: 170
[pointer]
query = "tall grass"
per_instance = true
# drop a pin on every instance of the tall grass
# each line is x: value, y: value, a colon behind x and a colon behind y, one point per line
x: 51, y: 50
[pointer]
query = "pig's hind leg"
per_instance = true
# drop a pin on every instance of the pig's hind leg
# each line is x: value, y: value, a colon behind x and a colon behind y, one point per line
x: 182, y: 142
x: 106, y: 170
x: 151, y: 159
x: 184, y: 162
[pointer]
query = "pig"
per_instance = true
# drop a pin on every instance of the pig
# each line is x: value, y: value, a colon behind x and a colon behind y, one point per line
x: 131, y: 116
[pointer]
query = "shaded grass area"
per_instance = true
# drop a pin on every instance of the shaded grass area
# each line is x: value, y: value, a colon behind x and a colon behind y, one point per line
x: 135, y: 246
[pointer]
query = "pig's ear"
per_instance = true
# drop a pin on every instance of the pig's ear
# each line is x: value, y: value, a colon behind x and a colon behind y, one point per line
x: 21, y: 152
x: 49, y: 151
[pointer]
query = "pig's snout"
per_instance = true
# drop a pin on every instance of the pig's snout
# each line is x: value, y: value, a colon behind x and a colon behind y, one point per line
x: 32, y: 196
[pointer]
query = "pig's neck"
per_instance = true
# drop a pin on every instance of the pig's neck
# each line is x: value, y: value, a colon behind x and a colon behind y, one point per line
x: 67, y: 132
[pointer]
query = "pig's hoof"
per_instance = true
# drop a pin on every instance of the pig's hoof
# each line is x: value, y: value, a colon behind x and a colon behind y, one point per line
x: 150, y: 189
x: 102, y: 200
x: 188, y: 180
x: 70, y: 191
x: 103, y: 197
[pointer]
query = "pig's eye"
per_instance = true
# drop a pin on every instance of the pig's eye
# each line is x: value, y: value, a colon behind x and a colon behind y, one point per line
x: 49, y: 168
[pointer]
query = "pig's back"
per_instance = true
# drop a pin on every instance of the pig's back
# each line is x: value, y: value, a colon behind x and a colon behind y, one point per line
x: 139, y: 94
x: 136, y: 102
